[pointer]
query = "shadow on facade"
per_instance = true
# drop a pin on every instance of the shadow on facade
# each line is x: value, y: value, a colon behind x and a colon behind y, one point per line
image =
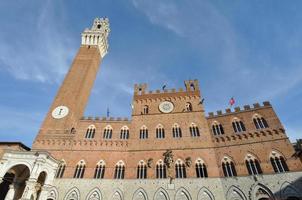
x: 290, y: 191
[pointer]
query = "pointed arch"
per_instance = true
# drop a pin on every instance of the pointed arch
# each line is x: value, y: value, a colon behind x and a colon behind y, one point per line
x: 161, y: 169
x: 80, y: 169
x: 252, y: 164
x: 201, y: 168
x: 205, y: 194
x: 119, y: 172
x: 90, y: 132
x: 117, y: 195
x: 182, y: 194
x: 161, y: 194
x: 140, y: 194
x: 73, y: 194
x: 234, y: 193
x: 53, y: 194
x: 141, y: 170
x: 259, y: 121
x: 143, y: 132
x: 107, y: 132
x: 61, y: 169
x: 124, y: 133
x: 94, y: 194
x: 238, y: 125
x: 160, y: 131
x: 228, y: 167
x: 217, y: 128
x: 288, y: 190
x: 176, y: 131
x: 180, y: 169
x: 194, y: 130
x: 278, y: 162
x: 260, y: 191
x: 99, y: 171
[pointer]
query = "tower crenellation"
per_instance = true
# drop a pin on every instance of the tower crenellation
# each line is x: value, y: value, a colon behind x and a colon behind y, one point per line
x: 97, y: 35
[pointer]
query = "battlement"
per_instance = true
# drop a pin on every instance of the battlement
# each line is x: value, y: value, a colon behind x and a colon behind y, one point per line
x: 238, y: 109
x: 105, y: 119
x: 190, y: 86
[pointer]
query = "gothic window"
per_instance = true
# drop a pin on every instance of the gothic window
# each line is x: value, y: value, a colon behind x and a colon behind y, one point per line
x: 124, y: 133
x: 278, y: 162
x: 90, y: 132
x: 119, y: 171
x: 260, y: 122
x: 99, y: 170
x: 217, y: 128
x: 143, y: 132
x: 201, y: 169
x: 160, y: 131
x: 107, y: 132
x: 161, y: 169
x: 238, y: 125
x: 228, y: 167
x: 252, y: 165
x: 180, y: 169
x: 141, y: 170
x: 176, y: 131
x: 80, y: 170
x: 146, y: 110
x: 194, y: 130
x: 189, y: 107
x: 61, y: 170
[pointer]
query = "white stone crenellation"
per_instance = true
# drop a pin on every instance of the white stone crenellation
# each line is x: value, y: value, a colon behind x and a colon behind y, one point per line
x: 97, y: 35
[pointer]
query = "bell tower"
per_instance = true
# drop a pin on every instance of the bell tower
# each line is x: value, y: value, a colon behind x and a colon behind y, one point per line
x: 70, y: 102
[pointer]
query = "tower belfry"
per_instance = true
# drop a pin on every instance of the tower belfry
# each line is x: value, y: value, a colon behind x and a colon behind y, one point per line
x: 70, y: 102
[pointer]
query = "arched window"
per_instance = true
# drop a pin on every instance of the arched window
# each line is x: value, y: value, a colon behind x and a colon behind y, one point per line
x: 107, y: 132
x: 161, y: 169
x: 238, y: 125
x: 194, y: 130
x: 189, y: 107
x: 278, y: 162
x: 124, y: 133
x: 252, y: 165
x: 80, y: 170
x: 201, y: 169
x: 119, y: 171
x: 228, y: 167
x: 143, y: 132
x: 180, y: 169
x: 145, y: 109
x: 217, y: 128
x: 90, y: 132
x: 160, y: 131
x: 61, y: 169
x: 141, y: 170
x: 99, y: 170
x: 176, y: 131
x: 259, y: 122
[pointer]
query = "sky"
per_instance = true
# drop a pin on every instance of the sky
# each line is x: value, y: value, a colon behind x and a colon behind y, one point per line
x: 249, y: 50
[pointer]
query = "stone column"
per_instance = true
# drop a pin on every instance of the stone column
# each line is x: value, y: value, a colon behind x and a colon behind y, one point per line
x: 30, y: 189
x: 11, y: 192
x: 44, y: 192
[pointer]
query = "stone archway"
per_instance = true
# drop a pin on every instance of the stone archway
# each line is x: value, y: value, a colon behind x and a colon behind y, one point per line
x: 14, y: 182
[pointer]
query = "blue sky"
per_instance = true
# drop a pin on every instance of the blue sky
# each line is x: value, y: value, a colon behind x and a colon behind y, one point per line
x: 247, y: 49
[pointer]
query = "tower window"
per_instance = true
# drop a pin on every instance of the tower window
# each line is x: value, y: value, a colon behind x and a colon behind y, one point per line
x: 238, y: 126
x: 99, y: 26
x: 141, y: 170
x: 189, y: 107
x: 194, y: 130
x: 146, y: 110
x: 124, y: 133
x: 176, y: 131
x: 201, y: 169
x: 107, y: 132
x: 217, y: 129
x: 252, y: 165
x: 160, y: 132
x: 228, y: 168
x: 260, y: 122
x: 143, y: 133
x: 278, y: 163
x: 90, y: 132
x: 61, y: 170
x: 161, y: 170
x: 119, y: 171
x: 80, y: 170
x: 99, y: 170
x: 180, y: 169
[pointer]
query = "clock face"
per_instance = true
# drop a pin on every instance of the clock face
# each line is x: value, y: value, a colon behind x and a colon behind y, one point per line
x: 60, y: 112
x: 166, y: 107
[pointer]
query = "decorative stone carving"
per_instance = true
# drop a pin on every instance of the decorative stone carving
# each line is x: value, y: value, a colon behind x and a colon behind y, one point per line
x: 188, y: 161
x: 150, y: 162
x: 168, y: 158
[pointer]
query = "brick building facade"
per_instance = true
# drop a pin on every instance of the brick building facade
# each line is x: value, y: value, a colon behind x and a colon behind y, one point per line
x: 169, y: 149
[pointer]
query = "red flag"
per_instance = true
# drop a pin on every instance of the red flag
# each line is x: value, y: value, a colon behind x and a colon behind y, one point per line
x: 232, y: 101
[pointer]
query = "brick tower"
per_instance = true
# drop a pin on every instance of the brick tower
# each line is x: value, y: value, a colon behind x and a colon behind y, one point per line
x: 70, y: 102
